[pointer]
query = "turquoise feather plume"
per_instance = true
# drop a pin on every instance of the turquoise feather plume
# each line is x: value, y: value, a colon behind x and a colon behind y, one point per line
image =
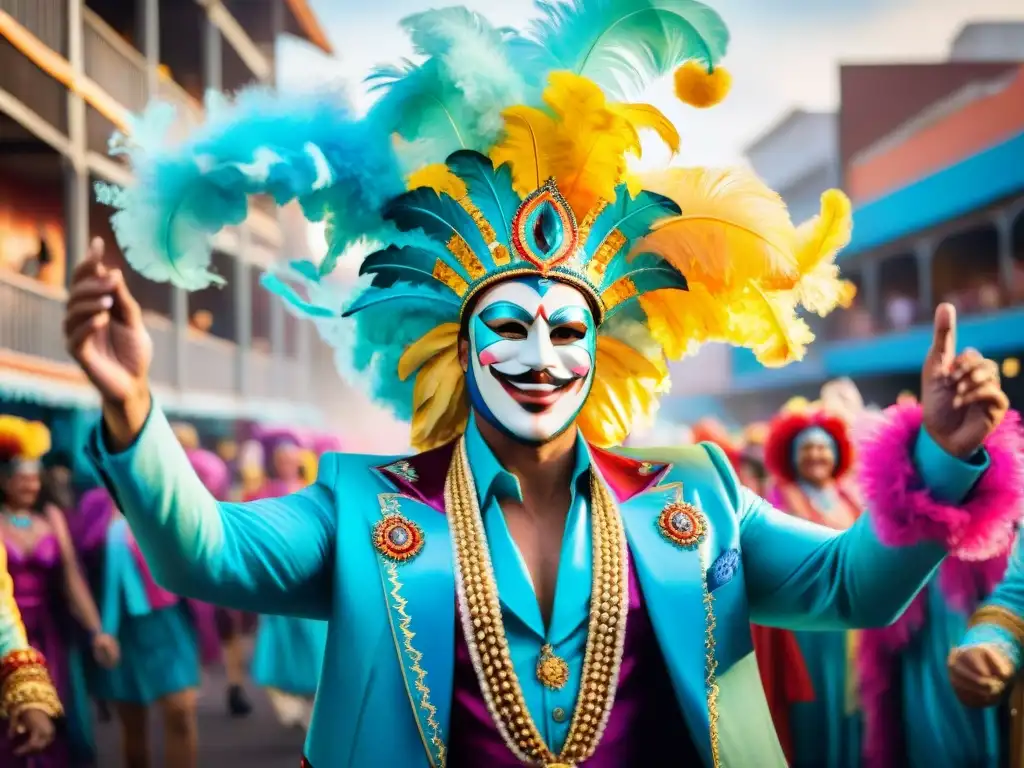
x: 453, y: 98
x: 634, y: 217
x: 408, y: 264
x: 490, y: 190
x: 395, y: 295
x: 647, y: 272
x: 622, y: 45
x: 439, y: 217
x: 307, y: 148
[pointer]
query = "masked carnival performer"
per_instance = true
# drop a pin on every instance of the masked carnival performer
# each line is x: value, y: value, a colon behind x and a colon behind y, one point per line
x: 289, y: 650
x: 519, y: 308
x: 54, y: 600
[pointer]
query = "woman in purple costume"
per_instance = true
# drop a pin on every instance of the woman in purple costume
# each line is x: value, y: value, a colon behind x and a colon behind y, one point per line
x: 48, y: 585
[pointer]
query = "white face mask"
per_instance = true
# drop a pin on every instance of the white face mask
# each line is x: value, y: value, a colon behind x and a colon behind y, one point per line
x: 531, y: 362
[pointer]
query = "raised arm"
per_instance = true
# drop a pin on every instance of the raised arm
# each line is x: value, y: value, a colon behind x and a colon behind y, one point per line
x: 267, y: 556
x: 942, y: 477
x: 270, y: 556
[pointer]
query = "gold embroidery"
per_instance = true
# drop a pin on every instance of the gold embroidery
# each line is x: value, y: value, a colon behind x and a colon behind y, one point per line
x: 1001, y: 617
x: 621, y: 290
x: 711, y: 668
x: 448, y: 276
x: 608, y: 250
x: 589, y: 219
x: 465, y: 256
x: 499, y: 253
x: 389, y: 506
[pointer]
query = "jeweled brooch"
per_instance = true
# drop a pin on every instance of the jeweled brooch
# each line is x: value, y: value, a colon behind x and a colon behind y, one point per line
x: 552, y: 670
x: 404, y: 470
x: 682, y: 524
x: 397, y: 538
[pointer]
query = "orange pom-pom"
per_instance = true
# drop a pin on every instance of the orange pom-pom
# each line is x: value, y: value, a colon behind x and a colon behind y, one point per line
x: 700, y: 88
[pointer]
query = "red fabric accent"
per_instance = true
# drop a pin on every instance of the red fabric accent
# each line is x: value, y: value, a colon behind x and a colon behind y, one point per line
x: 784, y: 429
x: 784, y: 676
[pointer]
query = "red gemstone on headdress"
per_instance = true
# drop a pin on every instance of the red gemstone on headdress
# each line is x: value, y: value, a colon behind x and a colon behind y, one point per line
x: 544, y: 230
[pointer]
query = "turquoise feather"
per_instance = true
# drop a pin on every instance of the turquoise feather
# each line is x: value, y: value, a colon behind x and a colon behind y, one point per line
x: 413, y: 265
x: 454, y: 97
x: 637, y: 265
x: 622, y: 45
x: 279, y: 287
x: 394, y: 295
x: 647, y: 272
x: 632, y: 216
x: 439, y: 217
x: 490, y: 190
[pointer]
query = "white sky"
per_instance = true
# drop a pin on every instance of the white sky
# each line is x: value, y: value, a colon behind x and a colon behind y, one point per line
x: 784, y: 54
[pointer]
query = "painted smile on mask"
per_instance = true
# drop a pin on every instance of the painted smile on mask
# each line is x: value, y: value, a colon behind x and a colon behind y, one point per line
x: 533, y: 345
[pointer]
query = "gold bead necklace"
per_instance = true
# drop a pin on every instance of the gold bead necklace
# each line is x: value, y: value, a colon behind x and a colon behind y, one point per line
x: 480, y: 612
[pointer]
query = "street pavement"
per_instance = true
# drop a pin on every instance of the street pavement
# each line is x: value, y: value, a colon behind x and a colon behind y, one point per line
x: 257, y: 741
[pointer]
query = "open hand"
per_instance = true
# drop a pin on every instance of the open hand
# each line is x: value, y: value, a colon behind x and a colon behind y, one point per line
x: 32, y: 730
x: 979, y: 674
x: 104, y: 333
x: 961, y: 397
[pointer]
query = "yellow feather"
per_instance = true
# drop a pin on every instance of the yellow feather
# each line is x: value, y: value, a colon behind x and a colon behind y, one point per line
x: 733, y: 228
x: 442, y: 338
x: 823, y: 236
x: 645, y: 116
x: 440, y: 406
x: 681, y: 321
x: 767, y: 324
x: 581, y: 140
x: 439, y: 178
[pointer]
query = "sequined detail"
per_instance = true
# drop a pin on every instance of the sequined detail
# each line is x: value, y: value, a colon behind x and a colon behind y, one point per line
x: 544, y: 230
x: 465, y: 256
x: 723, y: 569
x: 404, y: 470
x: 397, y: 538
x: 390, y: 508
x: 448, y: 276
x: 682, y: 524
x: 645, y: 468
x: 552, y: 670
x: 607, y: 251
x: 499, y: 253
x: 621, y: 290
x: 711, y: 674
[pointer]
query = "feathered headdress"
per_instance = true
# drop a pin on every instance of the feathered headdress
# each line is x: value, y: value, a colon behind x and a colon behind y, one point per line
x: 497, y: 154
x: 787, y: 427
x: 22, y: 440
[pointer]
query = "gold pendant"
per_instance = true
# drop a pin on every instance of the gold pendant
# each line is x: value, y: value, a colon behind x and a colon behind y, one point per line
x: 557, y: 765
x: 552, y: 670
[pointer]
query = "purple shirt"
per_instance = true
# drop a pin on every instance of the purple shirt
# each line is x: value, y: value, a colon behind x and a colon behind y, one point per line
x: 645, y: 723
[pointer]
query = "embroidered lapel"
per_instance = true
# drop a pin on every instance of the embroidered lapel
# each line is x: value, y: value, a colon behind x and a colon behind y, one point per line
x: 420, y: 589
x: 673, y: 580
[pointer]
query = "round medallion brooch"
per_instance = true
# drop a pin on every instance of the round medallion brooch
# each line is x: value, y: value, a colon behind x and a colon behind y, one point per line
x: 682, y: 524
x: 397, y: 539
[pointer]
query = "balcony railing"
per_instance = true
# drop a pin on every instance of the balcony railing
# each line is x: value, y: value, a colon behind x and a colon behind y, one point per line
x: 31, y: 316
x: 210, y: 364
x: 46, y: 19
x: 113, y: 63
x: 31, y: 319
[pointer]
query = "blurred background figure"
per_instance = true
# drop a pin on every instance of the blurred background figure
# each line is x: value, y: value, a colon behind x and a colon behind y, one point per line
x: 809, y: 455
x: 57, y: 609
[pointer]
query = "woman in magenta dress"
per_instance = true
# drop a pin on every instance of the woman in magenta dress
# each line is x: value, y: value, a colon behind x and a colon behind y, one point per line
x: 50, y: 591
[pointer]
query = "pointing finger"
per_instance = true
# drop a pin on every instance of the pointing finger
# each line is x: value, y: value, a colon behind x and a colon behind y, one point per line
x: 943, y: 349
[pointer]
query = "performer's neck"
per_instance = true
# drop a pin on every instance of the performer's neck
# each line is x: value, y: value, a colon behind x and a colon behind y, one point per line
x: 541, y: 469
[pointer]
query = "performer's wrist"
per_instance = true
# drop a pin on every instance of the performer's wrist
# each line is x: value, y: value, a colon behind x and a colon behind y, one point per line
x: 123, y: 420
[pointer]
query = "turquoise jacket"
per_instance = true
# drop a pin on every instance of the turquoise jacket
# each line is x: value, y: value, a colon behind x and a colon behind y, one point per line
x: 1000, y: 619
x: 386, y: 687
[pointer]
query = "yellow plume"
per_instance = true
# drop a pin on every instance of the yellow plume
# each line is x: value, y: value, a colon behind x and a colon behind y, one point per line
x: 625, y: 390
x: 767, y: 324
x: 438, y: 178
x: 733, y: 229
x: 819, y: 288
x: 580, y: 140
x: 23, y: 439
